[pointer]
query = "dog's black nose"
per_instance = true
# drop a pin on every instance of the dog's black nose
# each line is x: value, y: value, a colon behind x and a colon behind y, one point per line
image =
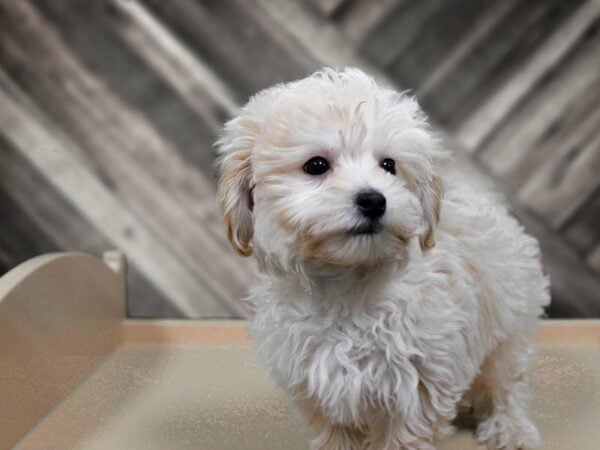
x: 371, y: 203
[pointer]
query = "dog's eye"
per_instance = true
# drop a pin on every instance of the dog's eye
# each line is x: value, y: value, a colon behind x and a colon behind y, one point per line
x: 316, y: 166
x: 389, y: 165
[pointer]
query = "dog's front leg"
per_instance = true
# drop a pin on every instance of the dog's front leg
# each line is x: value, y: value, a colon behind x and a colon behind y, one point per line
x: 337, y: 437
x: 502, y: 394
x: 329, y: 436
x: 394, y: 433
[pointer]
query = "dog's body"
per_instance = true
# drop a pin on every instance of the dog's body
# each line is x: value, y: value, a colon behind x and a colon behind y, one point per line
x: 378, y: 317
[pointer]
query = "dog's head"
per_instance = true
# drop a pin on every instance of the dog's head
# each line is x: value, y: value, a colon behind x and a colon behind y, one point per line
x: 333, y: 169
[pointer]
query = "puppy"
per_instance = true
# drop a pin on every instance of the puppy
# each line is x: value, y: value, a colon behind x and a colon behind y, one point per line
x: 386, y: 291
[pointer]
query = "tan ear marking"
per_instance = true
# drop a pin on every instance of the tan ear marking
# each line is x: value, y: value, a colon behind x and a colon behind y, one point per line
x: 235, y: 185
x: 432, y: 202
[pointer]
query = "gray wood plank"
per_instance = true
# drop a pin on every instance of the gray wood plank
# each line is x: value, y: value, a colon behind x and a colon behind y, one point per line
x: 539, y: 114
x: 169, y: 197
x: 195, y: 82
x: 317, y: 36
x: 397, y: 29
x: 55, y: 156
x: 486, y: 21
x: 583, y: 229
x: 330, y: 8
x: 594, y: 260
x: 551, y: 54
x: 574, y: 286
x: 92, y: 30
x: 363, y: 15
x: 243, y: 47
x: 36, y: 219
x: 19, y: 239
x: 437, y: 36
x: 559, y: 190
x: 551, y: 148
x: 548, y: 149
x: 494, y: 59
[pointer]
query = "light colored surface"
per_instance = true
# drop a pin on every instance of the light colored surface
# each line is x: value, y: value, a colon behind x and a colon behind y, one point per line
x: 196, y: 385
x: 75, y: 375
x: 185, y: 397
x: 59, y: 316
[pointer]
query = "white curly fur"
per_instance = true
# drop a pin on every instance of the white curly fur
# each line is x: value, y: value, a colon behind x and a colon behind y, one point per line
x: 378, y: 337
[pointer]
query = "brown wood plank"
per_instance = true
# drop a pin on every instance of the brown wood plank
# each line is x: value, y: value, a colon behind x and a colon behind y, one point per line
x: 239, y: 42
x: 494, y: 59
x: 394, y: 33
x: 36, y: 219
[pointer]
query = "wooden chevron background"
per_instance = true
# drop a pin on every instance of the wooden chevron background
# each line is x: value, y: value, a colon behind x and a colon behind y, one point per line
x: 109, y: 108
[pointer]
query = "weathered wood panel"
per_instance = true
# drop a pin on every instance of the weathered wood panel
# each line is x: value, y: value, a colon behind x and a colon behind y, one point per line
x: 362, y: 15
x: 594, y: 258
x: 449, y: 24
x: 194, y: 81
x: 313, y: 34
x: 558, y: 94
x: 154, y: 182
x: 397, y: 29
x: 19, y: 239
x: 583, y: 228
x: 331, y: 8
x: 485, y: 22
x: 93, y: 32
x: 567, y: 180
x: 233, y: 37
x: 485, y: 119
x: 573, y: 285
x: 494, y: 58
x: 36, y: 219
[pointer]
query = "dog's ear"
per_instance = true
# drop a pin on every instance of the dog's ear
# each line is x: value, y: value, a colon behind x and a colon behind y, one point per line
x: 234, y: 192
x: 430, y: 196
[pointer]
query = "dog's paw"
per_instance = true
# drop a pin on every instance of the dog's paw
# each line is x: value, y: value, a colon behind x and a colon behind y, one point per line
x: 503, y: 432
x: 336, y: 438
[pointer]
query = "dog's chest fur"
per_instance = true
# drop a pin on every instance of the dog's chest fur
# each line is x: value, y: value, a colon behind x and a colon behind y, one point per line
x: 369, y: 351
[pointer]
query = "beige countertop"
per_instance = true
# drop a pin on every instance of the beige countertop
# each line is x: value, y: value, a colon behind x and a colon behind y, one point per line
x: 196, y: 384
